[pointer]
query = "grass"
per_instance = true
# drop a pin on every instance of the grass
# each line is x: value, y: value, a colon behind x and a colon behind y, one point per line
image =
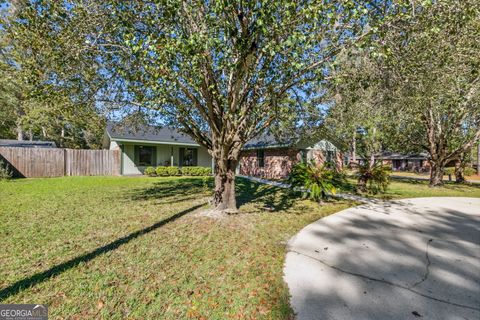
x: 74, y: 244
x: 118, y: 247
x: 426, y: 175
x: 417, y: 189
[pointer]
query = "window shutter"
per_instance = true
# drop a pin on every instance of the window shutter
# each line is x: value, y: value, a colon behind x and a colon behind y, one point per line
x: 136, y: 156
x: 195, y: 157
x: 180, y: 162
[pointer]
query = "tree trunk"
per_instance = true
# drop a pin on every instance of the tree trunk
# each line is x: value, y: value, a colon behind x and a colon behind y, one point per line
x: 44, y: 133
x: 436, y: 174
x: 478, y: 158
x: 224, y: 196
x: 459, y: 168
x: 20, y: 132
x: 354, y: 148
x: 362, y: 183
x: 62, y: 137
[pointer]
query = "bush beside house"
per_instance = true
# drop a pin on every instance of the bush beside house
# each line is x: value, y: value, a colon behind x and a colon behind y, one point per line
x: 168, y: 171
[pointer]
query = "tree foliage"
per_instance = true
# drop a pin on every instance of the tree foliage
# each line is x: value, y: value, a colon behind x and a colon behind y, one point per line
x: 424, y: 71
x: 435, y: 78
x: 47, y: 84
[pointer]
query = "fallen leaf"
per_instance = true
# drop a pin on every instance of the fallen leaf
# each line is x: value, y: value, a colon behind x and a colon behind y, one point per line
x: 416, y: 314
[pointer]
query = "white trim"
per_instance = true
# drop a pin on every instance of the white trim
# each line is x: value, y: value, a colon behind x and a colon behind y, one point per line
x: 157, y: 142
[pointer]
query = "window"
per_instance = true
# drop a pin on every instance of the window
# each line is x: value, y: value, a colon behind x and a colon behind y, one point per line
x: 188, y: 157
x: 330, y: 156
x: 144, y: 156
x: 261, y: 158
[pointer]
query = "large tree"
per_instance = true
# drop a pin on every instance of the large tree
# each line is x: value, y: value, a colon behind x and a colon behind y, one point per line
x: 226, y: 71
x: 431, y: 54
x: 221, y: 71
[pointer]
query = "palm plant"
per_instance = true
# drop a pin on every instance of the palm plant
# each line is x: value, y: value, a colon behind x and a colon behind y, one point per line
x: 315, y: 182
x: 373, y: 178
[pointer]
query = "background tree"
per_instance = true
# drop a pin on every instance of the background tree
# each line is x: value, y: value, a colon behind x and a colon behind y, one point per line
x: 431, y: 54
x: 48, y: 85
x: 421, y: 68
x: 358, y: 112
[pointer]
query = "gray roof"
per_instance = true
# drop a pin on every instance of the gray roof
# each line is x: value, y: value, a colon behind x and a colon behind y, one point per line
x: 387, y: 155
x: 26, y: 143
x: 269, y: 141
x: 147, y: 133
x: 170, y: 135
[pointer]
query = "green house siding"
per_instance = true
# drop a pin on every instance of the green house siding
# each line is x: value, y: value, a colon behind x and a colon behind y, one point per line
x: 162, y: 156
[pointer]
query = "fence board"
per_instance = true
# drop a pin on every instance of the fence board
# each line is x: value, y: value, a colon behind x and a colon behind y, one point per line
x: 55, y: 162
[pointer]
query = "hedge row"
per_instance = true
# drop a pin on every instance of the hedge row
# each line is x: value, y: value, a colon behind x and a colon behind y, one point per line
x: 164, y: 171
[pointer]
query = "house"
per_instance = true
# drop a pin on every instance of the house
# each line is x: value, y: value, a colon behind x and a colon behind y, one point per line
x: 402, y: 162
x: 264, y: 157
x: 151, y: 146
x: 269, y: 158
x: 26, y: 143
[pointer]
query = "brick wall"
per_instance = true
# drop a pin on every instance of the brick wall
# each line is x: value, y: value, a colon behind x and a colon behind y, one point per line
x: 278, y: 162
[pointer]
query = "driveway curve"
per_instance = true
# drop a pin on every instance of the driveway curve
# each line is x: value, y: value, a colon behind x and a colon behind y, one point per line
x: 407, y: 259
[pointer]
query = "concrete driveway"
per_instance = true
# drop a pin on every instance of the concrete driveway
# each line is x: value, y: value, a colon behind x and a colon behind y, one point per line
x: 408, y: 259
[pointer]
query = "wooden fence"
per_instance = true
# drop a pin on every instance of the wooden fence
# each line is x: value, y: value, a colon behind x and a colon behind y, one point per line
x: 54, y: 162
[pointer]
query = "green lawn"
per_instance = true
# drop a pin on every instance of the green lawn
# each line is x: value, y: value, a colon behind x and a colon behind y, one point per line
x: 71, y: 243
x: 427, y: 175
x: 118, y: 247
x: 415, y: 189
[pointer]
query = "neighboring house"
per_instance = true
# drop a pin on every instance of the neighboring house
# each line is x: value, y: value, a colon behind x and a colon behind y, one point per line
x: 151, y: 146
x: 26, y: 143
x: 263, y: 157
x: 402, y: 162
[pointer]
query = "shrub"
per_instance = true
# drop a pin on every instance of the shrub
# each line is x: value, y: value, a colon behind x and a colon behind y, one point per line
x: 315, y: 182
x: 196, y: 171
x: 373, y: 179
x: 467, y: 171
x: 167, y: 171
x: 449, y: 170
x: 5, y: 172
x: 149, y: 171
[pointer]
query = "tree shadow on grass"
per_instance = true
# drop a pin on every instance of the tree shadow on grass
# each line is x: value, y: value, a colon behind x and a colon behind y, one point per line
x: 186, y: 189
x: 40, y: 277
x: 172, y: 188
x: 269, y: 197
